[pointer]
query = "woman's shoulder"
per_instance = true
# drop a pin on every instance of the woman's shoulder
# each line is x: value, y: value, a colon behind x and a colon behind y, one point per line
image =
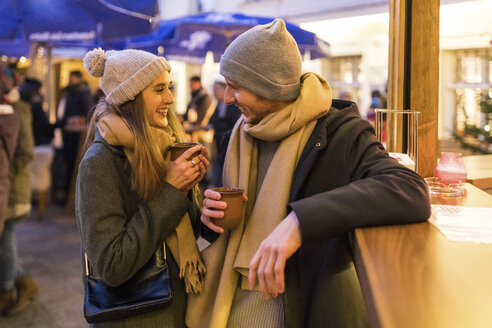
x: 101, y: 157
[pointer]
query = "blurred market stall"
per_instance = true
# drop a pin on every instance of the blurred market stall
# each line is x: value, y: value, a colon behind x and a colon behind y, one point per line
x: 190, y: 38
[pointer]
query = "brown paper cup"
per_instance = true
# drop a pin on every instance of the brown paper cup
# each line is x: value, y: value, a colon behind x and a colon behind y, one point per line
x: 234, y: 211
x: 179, y: 148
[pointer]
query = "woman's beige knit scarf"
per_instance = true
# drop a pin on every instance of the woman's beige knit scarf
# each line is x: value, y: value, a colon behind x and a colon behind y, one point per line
x: 181, y: 243
x: 229, y: 256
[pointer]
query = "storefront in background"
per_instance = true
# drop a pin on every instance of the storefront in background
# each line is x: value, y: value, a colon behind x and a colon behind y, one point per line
x: 471, y: 94
x: 465, y: 106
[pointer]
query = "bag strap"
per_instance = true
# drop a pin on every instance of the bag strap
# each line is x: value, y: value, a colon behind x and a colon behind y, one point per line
x: 87, y: 265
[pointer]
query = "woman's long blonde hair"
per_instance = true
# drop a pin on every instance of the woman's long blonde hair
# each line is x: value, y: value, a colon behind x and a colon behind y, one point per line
x: 148, y: 164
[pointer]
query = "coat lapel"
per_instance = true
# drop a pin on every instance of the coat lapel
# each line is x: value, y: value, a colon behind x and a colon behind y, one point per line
x: 308, y: 158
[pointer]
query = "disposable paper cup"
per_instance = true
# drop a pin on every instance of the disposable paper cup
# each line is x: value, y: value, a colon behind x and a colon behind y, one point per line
x: 179, y: 148
x: 234, y: 211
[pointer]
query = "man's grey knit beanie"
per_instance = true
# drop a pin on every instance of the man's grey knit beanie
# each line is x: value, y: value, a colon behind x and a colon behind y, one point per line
x: 124, y: 73
x: 266, y: 61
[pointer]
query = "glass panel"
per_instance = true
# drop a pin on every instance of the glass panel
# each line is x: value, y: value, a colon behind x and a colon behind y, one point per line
x: 347, y: 71
x: 473, y: 95
x: 343, y: 75
x: 471, y: 69
x: 490, y: 68
x: 335, y: 70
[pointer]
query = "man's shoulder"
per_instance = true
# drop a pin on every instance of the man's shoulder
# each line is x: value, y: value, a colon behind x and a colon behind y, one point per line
x: 341, y: 113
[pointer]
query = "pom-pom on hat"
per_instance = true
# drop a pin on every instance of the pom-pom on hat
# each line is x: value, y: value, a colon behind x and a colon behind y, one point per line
x: 265, y: 60
x: 124, y: 73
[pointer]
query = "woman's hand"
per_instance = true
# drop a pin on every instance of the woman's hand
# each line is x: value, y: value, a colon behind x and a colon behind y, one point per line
x: 202, y: 161
x: 182, y: 173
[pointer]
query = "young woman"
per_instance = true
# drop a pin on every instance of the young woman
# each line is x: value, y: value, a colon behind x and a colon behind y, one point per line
x: 130, y: 198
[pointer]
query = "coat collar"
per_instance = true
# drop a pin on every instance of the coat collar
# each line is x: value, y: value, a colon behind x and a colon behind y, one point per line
x: 117, y: 150
x: 340, y: 112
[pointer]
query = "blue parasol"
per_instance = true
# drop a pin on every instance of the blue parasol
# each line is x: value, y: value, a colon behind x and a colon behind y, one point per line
x: 189, y: 38
x: 15, y: 48
x: 75, y: 22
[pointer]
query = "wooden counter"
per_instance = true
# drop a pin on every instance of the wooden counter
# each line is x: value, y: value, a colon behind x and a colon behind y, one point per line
x: 479, y: 169
x: 412, y: 276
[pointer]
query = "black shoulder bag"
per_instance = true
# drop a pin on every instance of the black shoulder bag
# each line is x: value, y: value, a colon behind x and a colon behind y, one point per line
x: 147, y: 290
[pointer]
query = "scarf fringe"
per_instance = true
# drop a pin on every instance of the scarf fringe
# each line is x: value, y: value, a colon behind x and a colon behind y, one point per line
x: 193, y: 274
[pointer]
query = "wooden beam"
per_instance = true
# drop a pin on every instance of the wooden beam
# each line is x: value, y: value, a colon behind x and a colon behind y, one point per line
x: 424, y: 79
x: 396, y: 58
x: 413, y: 72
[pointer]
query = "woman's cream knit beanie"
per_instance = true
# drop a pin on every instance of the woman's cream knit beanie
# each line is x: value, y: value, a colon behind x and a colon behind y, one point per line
x: 124, y: 73
x: 266, y: 61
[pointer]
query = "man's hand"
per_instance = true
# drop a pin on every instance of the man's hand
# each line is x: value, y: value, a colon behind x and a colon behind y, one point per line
x: 268, y: 264
x: 213, y: 208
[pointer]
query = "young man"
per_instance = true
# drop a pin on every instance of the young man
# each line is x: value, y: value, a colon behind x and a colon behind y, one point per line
x: 312, y: 171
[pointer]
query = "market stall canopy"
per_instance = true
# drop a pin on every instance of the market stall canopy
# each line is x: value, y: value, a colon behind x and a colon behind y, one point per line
x: 14, y: 48
x: 189, y: 38
x: 75, y: 22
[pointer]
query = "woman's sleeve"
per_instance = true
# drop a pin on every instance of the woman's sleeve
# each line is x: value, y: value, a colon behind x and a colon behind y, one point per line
x: 117, y: 245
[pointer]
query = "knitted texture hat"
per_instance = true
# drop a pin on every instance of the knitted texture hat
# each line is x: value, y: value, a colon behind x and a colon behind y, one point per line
x: 266, y: 61
x: 124, y: 73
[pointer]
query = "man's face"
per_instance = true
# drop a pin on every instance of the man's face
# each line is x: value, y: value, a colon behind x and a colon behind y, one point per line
x: 157, y: 99
x: 253, y: 107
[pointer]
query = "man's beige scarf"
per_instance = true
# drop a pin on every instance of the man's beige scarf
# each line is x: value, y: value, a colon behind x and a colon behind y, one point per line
x: 181, y: 243
x: 229, y: 256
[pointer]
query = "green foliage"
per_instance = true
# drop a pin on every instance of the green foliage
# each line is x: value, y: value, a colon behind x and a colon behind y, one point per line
x: 486, y: 103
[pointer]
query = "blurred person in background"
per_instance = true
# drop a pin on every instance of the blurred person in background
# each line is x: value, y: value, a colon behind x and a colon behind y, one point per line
x: 223, y: 120
x: 9, y: 129
x: 30, y: 91
x: 130, y: 197
x: 313, y: 171
x: 43, y: 131
x: 346, y: 95
x: 16, y: 287
x: 377, y: 101
x: 72, y: 113
x: 197, y: 118
x: 199, y: 104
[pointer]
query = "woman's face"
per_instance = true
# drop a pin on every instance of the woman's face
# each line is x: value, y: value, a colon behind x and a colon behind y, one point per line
x: 157, y: 98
